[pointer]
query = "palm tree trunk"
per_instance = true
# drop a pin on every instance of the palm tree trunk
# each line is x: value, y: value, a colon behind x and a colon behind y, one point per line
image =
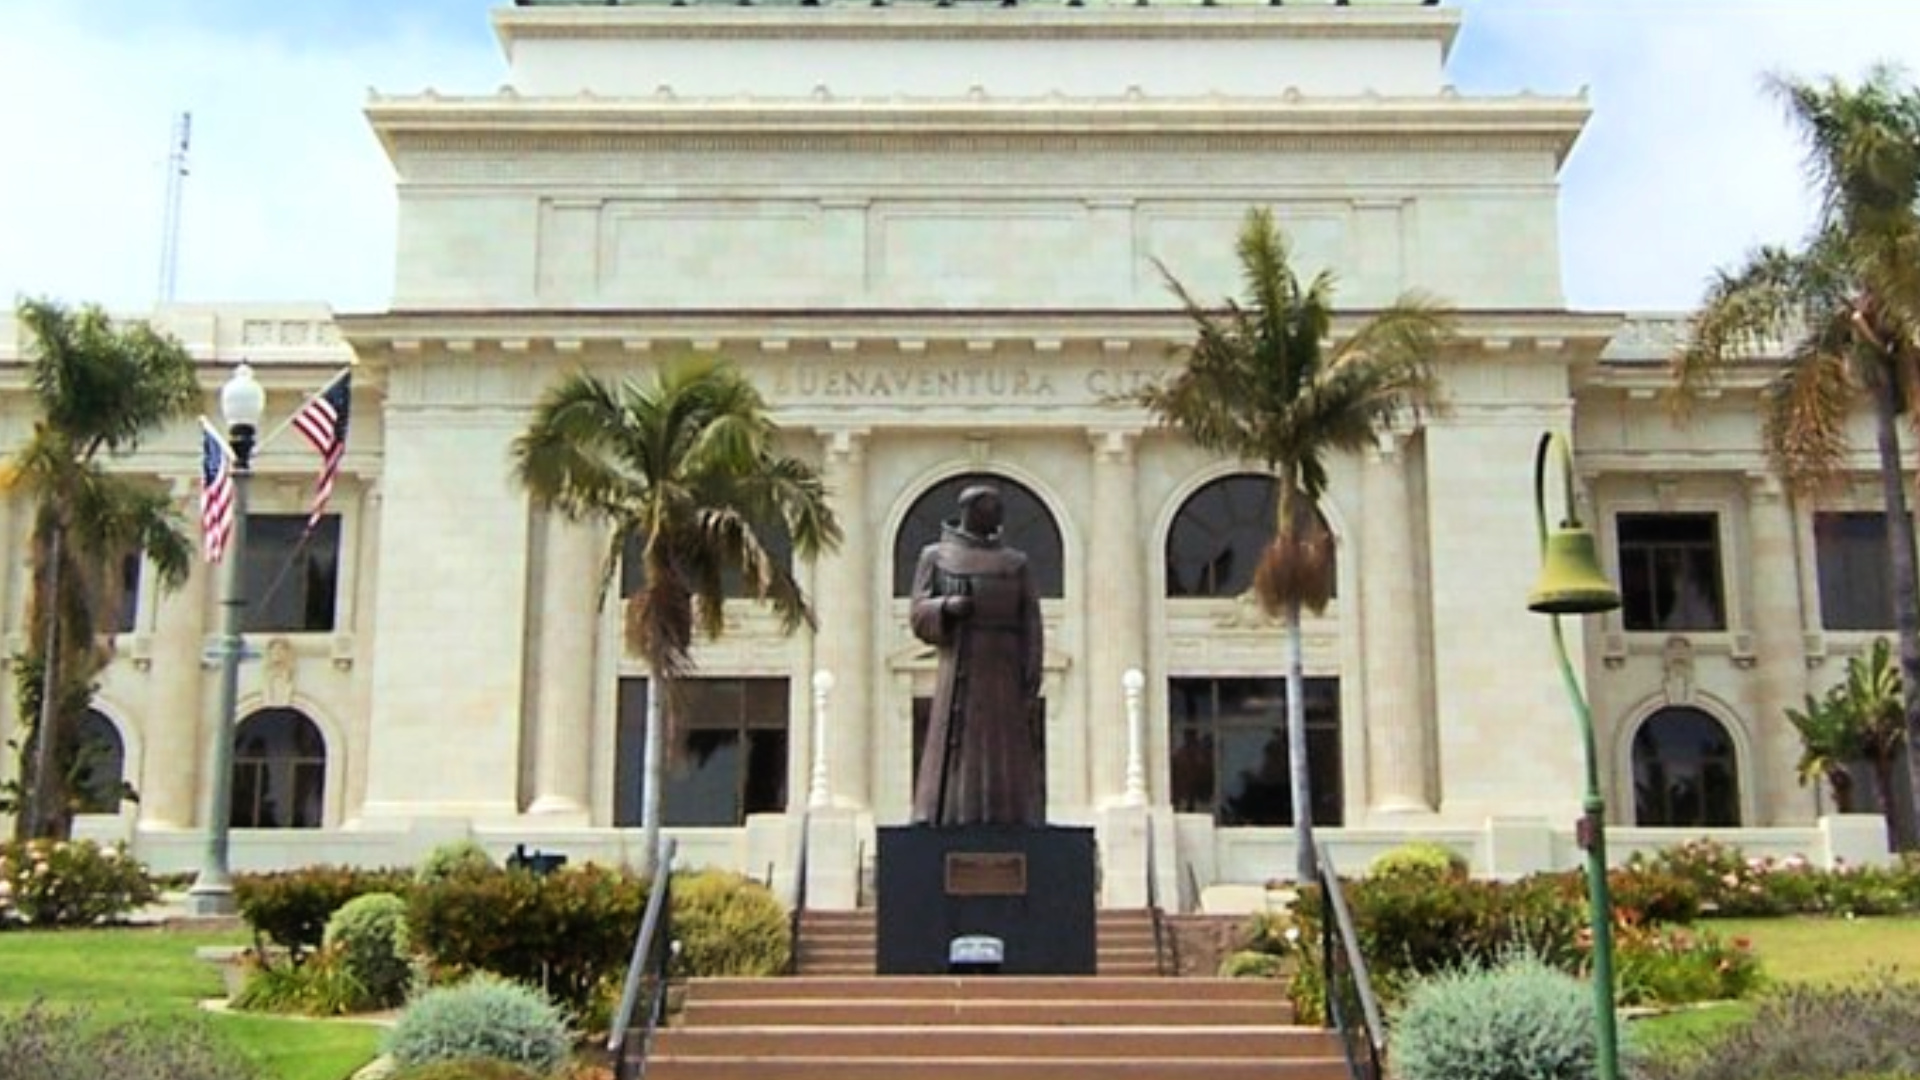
x: 1298, y: 773
x: 1906, y: 593
x: 655, y: 775
x: 41, y: 818
x: 1883, y: 779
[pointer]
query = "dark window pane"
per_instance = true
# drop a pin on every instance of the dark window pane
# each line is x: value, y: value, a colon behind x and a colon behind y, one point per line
x: 1028, y: 526
x: 1856, y: 587
x: 127, y: 602
x: 1670, y: 572
x: 731, y: 760
x: 99, y: 765
x: 1685, y: 771
x: 1229, y: 750
x: 291, y: 587
x: 279, y: 772
x: 1218, y: 535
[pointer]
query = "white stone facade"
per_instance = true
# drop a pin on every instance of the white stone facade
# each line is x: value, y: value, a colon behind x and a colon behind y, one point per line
x: 931, y: 235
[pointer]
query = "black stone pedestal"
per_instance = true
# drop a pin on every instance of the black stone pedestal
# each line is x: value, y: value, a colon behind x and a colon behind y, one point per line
x: 1030, y: 886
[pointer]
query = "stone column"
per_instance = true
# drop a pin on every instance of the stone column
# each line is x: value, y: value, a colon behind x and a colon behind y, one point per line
x: 1779, y: 673
x: 563, y: 714
x: 844, y: 598
x: 170, y: 766
x: 1398, y: 721
x: 1114, y: 613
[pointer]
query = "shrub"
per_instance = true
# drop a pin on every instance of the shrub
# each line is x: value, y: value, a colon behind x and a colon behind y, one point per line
x: 323, y: 986
x: 484, y: 1017
x: 566, y: 931
x: 728, y: 925
x: 70, y: 883
x: 369, y: 936
x: 42, y: 1043
x: 1247, y: 964
x: 454, y: 859
x: 291, y: 908
x: 1673, y: 965
x: 1273, y: 933
x: 1811, y: 1033
x: 1421, y: 859
x: 1520, y: 1021
x: 472, y: 1069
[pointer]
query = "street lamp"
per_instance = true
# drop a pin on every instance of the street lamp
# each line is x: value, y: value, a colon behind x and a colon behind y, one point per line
x: 1571, y: 584
x: 242, y: 401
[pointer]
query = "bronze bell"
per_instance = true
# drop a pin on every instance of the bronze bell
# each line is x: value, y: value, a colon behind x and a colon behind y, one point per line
x: 1570, y: 579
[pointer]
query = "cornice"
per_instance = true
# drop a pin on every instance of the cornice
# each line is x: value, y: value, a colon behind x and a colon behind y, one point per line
x: 1519, y: 336
x: 978, y: 22
x: 665, y: 123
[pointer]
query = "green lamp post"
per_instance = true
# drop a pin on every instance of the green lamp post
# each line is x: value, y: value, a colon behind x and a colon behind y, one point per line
x: 1571, y: 584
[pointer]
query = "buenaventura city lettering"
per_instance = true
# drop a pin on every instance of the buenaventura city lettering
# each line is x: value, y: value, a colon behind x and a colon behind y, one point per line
x: 952, y: 382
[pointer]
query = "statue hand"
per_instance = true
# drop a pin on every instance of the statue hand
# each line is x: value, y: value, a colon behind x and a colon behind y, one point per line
x: 957, y: 607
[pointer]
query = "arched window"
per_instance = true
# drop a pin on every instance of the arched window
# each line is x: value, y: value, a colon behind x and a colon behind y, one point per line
x: 1685, y: 771
x: 99, y: 766
x: 1218, y: 535
x: 1028, y: 526
x: 279, y: 771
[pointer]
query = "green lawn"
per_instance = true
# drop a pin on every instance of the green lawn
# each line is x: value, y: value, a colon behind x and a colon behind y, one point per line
x: 1791, y: 950
x: 125, y: 972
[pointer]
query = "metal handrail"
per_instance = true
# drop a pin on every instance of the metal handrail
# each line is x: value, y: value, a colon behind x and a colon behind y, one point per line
x: 1153, y: 906
x: 799, y: 896
x: 652, y: 955
x: 1344, y: 971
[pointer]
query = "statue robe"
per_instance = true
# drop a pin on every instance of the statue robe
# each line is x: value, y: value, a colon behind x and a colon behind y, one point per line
x: 980, y: 762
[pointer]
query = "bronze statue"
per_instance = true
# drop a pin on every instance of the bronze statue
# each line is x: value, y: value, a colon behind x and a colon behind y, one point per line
x: 974, y: 598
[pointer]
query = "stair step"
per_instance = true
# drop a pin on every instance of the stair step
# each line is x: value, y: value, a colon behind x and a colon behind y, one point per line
x: 883, y: 1013
x: 1268, y: 1042
x: 871, y: 1068
x: 1040, y: 988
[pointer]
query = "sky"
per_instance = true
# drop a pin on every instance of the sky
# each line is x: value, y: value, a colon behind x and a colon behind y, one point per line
x: 1685, y: 166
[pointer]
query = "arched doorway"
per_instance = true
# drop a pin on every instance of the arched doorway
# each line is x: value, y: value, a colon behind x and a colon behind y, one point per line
x: 1685, y: 770
x: 279, y: 772
x: 1028, y: 526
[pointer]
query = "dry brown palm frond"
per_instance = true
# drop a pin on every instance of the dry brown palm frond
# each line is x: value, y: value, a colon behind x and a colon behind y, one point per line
x: 1296, y: 567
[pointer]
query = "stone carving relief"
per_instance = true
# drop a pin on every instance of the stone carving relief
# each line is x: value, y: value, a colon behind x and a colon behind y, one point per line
x: 279, y: 668
x: 1677, y: 662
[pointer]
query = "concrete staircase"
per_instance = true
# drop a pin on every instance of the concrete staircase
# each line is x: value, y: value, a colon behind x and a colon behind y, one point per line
x: 841, y: 943
x: 990, y: 1028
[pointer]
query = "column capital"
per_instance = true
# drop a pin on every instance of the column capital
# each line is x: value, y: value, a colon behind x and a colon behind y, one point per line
x: 1765, y: 485
x: 1115, y: 444
x: 1389, y: 445
x: 848, y: 443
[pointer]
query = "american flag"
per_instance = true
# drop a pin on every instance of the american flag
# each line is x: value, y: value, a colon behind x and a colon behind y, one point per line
x: 216, y: 495
x: 323, y: 421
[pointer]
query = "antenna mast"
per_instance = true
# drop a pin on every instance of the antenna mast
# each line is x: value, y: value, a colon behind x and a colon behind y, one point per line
x: 177, y: 144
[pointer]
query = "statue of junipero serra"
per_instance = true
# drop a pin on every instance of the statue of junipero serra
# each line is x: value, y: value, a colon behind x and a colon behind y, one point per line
x: 974, y: 598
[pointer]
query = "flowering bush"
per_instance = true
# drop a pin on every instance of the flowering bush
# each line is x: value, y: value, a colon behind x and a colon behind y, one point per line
x: 1671, y: 965
x: 1731, y: 883
x: 70, y: 883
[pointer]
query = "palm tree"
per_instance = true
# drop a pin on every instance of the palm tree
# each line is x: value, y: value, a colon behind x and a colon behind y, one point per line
x: 1828, y: 744
x: 687, y: 467
x: 1263, y: 382
x: 1847, y: 304
x: 100, y: 390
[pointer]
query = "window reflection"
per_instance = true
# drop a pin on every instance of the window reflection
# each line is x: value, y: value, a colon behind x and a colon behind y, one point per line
x: 730, y: 761
x: 1229, y: 757
x: 99, y: 765
x: 1685, y: 771
x: 279, y: 772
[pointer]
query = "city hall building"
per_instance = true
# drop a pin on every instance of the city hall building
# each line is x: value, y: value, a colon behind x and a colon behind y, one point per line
x: 931, y: 234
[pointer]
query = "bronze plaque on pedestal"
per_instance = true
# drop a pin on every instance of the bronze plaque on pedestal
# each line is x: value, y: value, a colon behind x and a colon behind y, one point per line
x: 986, y: 873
